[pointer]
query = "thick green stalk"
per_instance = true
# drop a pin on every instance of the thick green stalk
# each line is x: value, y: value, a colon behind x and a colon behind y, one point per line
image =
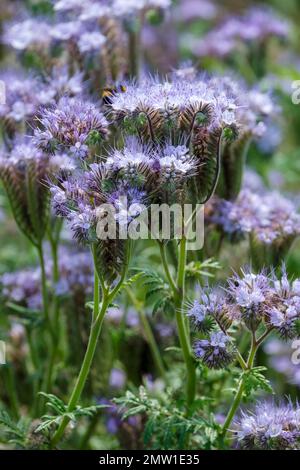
x: 87, y: 362
x: 181, y: 326
x: 178, y: 289
x: 255, y: 343
x: 166, y: 266
x: 97, y: 321
x: 11, y: 390
x: 44, y: 288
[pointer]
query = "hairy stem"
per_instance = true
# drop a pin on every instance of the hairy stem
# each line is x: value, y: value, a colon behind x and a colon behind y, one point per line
x: 255, y: 343
x: 97, y: 321
x: 179, y: 295
x: 45, y: 296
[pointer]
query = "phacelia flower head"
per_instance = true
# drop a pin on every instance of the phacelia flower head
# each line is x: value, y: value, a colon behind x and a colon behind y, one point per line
x: 252, y: 299
x: 31, y: 33
x: 270, y: 426
x: 175, y: 162
x: 61, y: 83
x: 255, y: 25
x: 251, y: 293
x: 24, y: 170
x: 161, y: 171
x: 92, y: 199
x: 22, y: 288
x: 75, y: 278
x: 203, y: 312
x: 269, y: 218
x: 180, y: 103
x: 283, y: 315
x: 24, y: 95
x: 134, y: 158
x: 280, y: 360
x: 216, y: 352
x: 71, y: 124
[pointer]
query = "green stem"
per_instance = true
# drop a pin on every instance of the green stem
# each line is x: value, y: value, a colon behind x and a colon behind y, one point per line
x: 179, y: 295
x: 35, y: 370
x: 164, y: 260
x: 12, y: 390
x: 149, y: 334
x: 181, y: 326
x: 87, y: 362
x: 97, y: 321
x: 44, y: 288
x: 255, y: 343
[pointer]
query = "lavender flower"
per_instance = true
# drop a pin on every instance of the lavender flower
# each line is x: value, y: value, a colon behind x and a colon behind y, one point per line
x: 30, y: 33
x: 269, y: 427
x: 116, y: 315
x: 90, y: 42
x: 127, y: 8
x: 23, y: 287
x: 284, y: 316
x: 270, y: 219
x: 61, y: 83
x: 132, y: 159
x: 75, y: 273
x: 24, y: 171
x: 250, y: 292
x: 256, y: 25
x: 192, y: 10
x: 204, y: 311
x: 65, y: 5
x: 66, y: 31
x: 76, y: 277
x: 24, y: 95
x: 88, y: 198
x: 117, y: 379
x: 175, y: 162
x: 174, y: 102
x: 280, y: 359
x: 252, y: 299
x: 72, y: 124
x: 216, y: 352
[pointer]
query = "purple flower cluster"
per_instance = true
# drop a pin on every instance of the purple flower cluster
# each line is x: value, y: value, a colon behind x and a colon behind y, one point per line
x: 250, y: 299
x: 269, y: 427
x: 24, y: 287
x: 273, y: 299
x: 25, y: 94
x: 127, y: 179
x: 216, y: 352
x: 169, y: 162
x: 40, y: 35
x: 31, y: 33
x: 97, y: 9
x: 72, y: 124
x: 75, y: 272
x: 170, y: 100
x: 280, y: 357
x: 190, y: 101
x: 255, y: 25
x: 268, y: 216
